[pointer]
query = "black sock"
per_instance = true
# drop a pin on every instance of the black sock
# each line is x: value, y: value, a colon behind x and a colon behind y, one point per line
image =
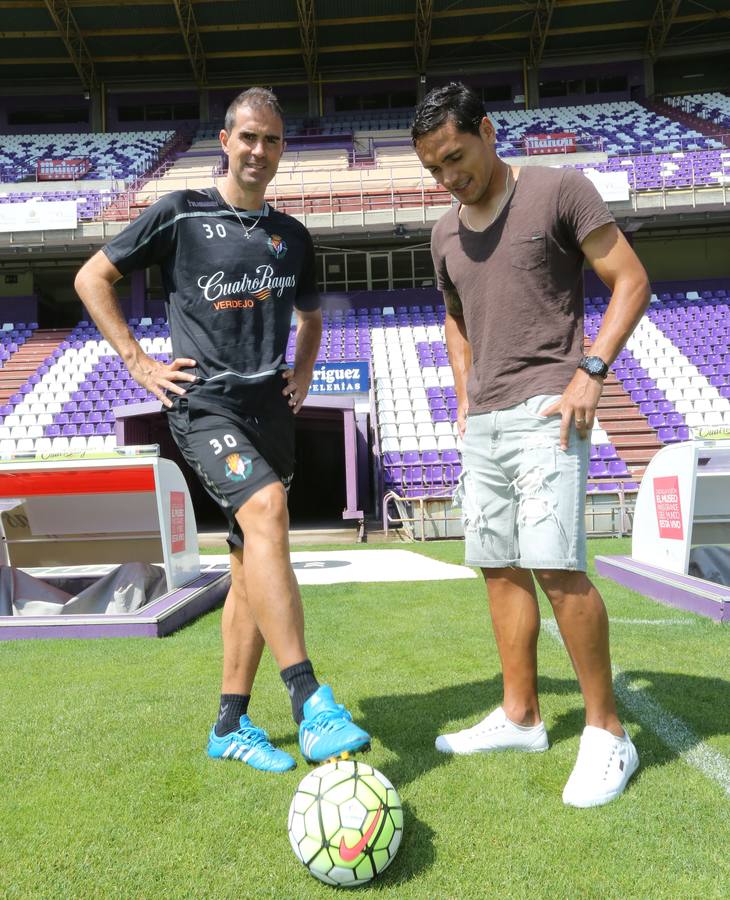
x: 301, y: 684
x: 232, y: 707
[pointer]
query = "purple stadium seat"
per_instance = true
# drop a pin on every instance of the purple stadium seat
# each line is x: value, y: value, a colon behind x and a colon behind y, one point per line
x: 617, y: 467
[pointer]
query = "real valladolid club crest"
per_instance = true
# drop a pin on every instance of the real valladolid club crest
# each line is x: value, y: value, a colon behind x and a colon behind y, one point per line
x: 277, y: 246
x: 238, y: 467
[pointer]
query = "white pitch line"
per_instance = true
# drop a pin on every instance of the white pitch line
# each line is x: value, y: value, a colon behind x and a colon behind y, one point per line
x: 677, y: 735
x: 652, y: 621
x: 547, y: 622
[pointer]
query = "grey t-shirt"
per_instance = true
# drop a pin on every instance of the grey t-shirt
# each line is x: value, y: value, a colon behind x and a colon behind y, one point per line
x: 521, y: 286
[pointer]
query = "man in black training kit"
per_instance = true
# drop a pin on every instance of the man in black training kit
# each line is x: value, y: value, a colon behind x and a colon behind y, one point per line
x: 232, y: 270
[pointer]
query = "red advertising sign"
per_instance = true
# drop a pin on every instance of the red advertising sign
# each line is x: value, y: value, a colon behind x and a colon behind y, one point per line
x: 668, y: 509
x: 62, y: 169
x: 177, y: 521
x: 555, y: 142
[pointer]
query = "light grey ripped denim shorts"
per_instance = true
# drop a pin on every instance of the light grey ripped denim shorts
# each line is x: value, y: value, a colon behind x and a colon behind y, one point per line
x: 522, y: 497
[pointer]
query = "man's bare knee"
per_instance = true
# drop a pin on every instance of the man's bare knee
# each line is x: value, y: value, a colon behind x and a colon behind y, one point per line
x: 559, y: 584
x: 265, y: 513
x: 508, y: 576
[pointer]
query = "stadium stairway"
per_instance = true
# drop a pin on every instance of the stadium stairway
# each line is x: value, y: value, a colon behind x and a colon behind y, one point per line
x: 625, y: 425
x: 26, y: 361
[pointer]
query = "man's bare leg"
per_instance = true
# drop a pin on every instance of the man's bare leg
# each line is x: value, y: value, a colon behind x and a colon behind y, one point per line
x: 270, y: 587
x: 516, y: 622
x: 326, y: 730
x: 243, y: 643
x: 516, y: 725
x: 583, y: 622
x: 233, y: 736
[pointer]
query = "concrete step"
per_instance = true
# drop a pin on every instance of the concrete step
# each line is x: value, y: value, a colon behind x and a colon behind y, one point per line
x: 645, y: 441
x: 629, y: 427
x: 638, y: 457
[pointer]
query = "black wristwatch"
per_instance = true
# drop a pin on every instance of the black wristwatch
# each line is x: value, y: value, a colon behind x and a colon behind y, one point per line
x: 594, y: 365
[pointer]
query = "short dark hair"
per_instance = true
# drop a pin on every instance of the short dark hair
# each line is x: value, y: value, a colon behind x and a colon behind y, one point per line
x: 255, y: 97
x: 454, y: 101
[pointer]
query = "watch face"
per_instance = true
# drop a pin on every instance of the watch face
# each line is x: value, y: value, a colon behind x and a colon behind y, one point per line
x: 594, y: 365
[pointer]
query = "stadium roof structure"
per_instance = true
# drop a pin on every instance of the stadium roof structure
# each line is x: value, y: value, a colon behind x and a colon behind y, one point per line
x: 84, y: 43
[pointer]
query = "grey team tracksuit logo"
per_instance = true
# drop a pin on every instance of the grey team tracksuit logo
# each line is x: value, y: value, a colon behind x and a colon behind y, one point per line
x: 259, y: 287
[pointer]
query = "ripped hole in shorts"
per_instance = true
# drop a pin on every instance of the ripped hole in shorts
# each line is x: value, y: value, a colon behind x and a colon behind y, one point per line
x: 536, y: 499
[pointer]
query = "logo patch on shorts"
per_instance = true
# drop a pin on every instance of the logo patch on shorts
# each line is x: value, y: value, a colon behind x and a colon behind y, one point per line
x: 238, y: 467
x: 277, y: 246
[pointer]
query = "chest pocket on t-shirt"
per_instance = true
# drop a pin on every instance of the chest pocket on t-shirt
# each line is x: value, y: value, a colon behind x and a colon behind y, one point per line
x: 528, y: 251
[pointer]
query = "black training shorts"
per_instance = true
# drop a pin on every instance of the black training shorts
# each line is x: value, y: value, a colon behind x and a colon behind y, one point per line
x: 234, y: 456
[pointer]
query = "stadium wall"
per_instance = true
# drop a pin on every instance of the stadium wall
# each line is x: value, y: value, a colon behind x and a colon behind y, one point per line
x: 10, y: 105
x: 684, y: 256
x: 18, y: 309
x: 692, y: 74
x: 117, y: 103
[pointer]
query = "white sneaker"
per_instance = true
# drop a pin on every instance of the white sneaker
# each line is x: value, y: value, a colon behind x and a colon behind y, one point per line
x: 496, y: 732
x: 603, y: 768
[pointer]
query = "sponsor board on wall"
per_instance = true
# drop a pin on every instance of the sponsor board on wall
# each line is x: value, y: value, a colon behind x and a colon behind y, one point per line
x: 610, y: 185
x: 51, y: 215
x: 555, y: 142
x: 340, y: 378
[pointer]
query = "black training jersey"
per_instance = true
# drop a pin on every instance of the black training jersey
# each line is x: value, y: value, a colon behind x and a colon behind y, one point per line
x: 229, y: 287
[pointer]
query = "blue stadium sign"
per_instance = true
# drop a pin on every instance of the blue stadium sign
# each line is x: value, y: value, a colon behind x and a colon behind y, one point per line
x: 340, y: 378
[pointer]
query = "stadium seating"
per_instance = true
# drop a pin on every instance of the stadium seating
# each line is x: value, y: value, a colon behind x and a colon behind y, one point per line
x: 715, y: 107
x: 121, y: 155
x: 622, y: 128
x: 675, y: 371
x: 68, y: 404
x: 670, y: 170
x: 666, y: 366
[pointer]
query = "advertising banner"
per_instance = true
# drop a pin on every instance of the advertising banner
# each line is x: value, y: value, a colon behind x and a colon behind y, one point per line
x: 38, y: 215
x: 668, y: 508
x: 62, y: 169
x: 610, y: 185
x: 555, y: 142
x: 340, y: 378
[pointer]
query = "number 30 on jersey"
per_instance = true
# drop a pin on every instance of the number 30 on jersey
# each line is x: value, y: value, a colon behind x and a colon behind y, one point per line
x: 220, y: 230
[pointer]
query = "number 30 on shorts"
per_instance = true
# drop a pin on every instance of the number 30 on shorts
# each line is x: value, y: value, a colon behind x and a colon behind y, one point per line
x: 228, y: 440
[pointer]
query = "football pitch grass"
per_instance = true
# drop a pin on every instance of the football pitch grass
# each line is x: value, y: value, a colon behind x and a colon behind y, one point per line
x: 107, y: 791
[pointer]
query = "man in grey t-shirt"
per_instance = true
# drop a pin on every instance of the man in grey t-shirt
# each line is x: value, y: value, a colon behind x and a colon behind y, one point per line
x: 509, y: 261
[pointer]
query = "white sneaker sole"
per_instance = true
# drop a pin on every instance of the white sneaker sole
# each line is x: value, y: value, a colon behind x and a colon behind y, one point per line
x: 599, y: 799
x: 444, y: 747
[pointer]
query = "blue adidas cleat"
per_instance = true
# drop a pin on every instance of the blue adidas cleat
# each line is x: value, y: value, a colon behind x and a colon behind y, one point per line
x: 249, y: 745
x: 327, y: 730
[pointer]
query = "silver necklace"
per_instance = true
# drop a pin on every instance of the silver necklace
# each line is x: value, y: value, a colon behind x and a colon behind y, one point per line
x: 246, y: 231
x: 499, y: 208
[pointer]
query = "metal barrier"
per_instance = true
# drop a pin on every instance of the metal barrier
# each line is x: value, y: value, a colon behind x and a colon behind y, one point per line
x: 428, y: 517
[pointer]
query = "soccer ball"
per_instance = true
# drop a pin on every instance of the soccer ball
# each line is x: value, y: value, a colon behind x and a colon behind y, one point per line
x: 345, y: 822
